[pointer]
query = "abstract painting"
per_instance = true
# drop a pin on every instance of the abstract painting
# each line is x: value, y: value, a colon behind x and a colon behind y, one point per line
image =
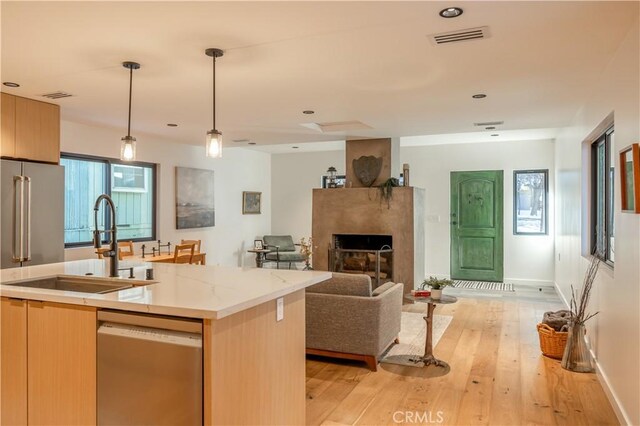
x: 251, y: 202
x: 194, y: 198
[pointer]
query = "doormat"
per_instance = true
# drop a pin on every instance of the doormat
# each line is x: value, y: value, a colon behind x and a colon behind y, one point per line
x: 413, y: 334
x: 484, y: 285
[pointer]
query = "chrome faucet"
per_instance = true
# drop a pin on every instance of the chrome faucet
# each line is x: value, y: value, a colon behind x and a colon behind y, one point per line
x: 113, y: 243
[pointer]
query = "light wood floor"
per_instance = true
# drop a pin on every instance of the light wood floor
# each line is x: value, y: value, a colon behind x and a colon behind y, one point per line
x: 497, y: 377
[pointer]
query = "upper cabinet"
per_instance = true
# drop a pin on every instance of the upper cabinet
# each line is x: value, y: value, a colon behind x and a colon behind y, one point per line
x: 30, y: 129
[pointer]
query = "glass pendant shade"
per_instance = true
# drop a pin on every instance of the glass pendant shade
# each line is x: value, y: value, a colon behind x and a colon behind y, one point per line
x: 214, y: 144
x: 128, y: 148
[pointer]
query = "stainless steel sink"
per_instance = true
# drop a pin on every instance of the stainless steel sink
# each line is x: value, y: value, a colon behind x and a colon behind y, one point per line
x: 81, y: 285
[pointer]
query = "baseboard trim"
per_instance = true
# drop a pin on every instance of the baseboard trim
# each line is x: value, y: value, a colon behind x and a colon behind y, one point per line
x: 621, y: 414
x: 529, y: 283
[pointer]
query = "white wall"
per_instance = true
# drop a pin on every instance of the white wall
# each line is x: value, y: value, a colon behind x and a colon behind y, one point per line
x: 528, y: 259
x: 615, y: 332
x: 239, y: 170
x: 292, y: 178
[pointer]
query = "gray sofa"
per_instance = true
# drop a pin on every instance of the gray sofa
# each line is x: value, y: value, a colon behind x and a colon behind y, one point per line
x: 346, y: 319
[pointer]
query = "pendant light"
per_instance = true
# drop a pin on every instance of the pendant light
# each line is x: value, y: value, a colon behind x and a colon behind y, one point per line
x: 214, y: 137
x: 128, y: 144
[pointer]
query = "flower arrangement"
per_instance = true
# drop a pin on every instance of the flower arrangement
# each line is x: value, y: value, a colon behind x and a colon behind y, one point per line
x: 306, y: 246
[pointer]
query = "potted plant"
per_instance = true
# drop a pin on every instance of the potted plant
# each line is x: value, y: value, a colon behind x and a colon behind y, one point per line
x: 436, y: 285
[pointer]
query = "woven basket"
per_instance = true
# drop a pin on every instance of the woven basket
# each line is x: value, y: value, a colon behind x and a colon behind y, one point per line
x: 552, y: 342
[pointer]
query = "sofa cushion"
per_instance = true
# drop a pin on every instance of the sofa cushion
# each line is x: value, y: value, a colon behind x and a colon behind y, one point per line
x: 344, y: 284
x: 286, y: 256
x: 381, y: 289
x: 284, y: 242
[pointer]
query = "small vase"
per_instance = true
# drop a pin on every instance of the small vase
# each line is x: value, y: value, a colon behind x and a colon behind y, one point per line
x: 576, y: 355
x: 436, y: 294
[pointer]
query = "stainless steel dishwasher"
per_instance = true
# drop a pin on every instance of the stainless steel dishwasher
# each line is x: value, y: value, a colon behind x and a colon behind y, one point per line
x: 149, y: 369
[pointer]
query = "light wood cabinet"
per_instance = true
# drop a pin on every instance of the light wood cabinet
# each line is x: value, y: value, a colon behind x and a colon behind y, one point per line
x: 13, y: 362
x: 61, y: 364
x: 30, y: 129
x: 54, y: 381
x: 8, y: 125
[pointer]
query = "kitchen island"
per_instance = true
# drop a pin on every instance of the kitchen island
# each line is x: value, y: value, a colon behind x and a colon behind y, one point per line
x: 253, y: 362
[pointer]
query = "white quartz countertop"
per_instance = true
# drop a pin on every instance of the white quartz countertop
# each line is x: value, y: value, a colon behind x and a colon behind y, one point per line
x: 181, y: 290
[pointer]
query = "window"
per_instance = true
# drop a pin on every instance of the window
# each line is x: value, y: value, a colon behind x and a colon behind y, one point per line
x: 131, y: 186
x: 530, y: 197
x: 602, y: 172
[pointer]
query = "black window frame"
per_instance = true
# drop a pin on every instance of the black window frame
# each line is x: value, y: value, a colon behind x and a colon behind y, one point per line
x: 601, y: 247
x: 545, y: 172
x: 108, y: 182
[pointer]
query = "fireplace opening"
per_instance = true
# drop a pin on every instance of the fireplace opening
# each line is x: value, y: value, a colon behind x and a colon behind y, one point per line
x: 363, y: 254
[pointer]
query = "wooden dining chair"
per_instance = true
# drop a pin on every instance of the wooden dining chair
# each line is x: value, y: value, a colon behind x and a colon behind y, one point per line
x: 100, y: 252
x: 125, y: 249
x: 197, y: 244
x: 183, y: 253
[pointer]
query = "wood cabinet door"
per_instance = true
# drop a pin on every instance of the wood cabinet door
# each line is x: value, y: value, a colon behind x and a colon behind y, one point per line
x: 8, y: 125
x: 13, y: 362
x: 37, y: 131
x: 61, y: 364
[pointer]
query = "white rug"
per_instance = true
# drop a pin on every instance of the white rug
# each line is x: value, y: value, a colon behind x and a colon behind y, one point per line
x: 413, y: 334
x: 484, y: 285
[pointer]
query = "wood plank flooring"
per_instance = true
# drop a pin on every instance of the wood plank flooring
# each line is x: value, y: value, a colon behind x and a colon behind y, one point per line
x: 497, y: 375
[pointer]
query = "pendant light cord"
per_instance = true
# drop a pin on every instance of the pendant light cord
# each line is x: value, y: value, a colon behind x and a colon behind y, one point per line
x: 213, y: 112
x: 130, y: 90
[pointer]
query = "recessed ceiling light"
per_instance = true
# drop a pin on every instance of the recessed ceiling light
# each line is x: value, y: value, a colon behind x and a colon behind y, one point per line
x: 479, y: 96
x: 495, y: 134
x: 490, y: 128
x: 308, y: 112
x: 294, y: 147
x: 451, y: 12
x: 172, y: 125
x: 11, y: 84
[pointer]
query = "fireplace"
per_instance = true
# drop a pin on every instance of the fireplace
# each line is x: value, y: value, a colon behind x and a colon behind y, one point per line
x: 363, y: 254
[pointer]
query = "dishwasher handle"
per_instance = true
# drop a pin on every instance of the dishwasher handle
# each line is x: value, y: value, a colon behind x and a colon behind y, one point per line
x: 184, y: 325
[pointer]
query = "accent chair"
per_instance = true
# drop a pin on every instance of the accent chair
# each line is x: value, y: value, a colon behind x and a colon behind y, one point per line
x: 345, y: 319
x: 282, y: 250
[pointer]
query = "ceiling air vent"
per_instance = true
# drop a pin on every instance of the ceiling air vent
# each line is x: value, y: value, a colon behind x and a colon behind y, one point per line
x: 241, y: 140
x: 57, y: 95
x: 489, y: 123
x: 338, y: 126
x: 460, y: 35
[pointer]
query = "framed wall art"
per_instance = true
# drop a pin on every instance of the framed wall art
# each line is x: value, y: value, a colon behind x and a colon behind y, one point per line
x: 194, y: 198
x: 630, y: 179
x: 251, y: 202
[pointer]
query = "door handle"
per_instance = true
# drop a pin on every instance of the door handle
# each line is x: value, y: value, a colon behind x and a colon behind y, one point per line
x: 28, y: 256
x: 18, y: 219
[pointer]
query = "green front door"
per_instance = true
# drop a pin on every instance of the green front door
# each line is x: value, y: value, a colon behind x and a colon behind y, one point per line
x: 476, y: 225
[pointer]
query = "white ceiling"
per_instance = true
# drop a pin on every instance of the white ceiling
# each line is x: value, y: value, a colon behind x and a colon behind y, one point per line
x: 366, y: 61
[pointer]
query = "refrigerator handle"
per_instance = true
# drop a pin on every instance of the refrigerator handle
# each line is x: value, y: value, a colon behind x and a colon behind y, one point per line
x: 18, y: 220
x: 28, y: 251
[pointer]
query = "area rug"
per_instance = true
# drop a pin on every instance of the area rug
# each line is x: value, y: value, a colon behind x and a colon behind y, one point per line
x: 413, y: 333
x: 483, y: 285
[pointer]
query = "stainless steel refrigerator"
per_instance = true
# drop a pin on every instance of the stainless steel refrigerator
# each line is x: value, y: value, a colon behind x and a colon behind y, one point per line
x: 32, y: 231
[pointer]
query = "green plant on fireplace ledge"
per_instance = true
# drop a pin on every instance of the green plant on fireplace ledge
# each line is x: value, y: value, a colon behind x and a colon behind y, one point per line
x: 386, y: 190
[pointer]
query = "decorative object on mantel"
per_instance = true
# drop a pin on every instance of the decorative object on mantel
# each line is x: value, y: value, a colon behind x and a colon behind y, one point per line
x: 214, y: 137
x: 331, y: 177
x: 367, y: 169
x: 386, y: 190
x: 306, y: 248
x: 128, y: 143
x: 436, y: 285
x: 251, y: 202
x: 405, y: 174
x: 576, y: 354
x: 194, y: 198
x: 630, y: 178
